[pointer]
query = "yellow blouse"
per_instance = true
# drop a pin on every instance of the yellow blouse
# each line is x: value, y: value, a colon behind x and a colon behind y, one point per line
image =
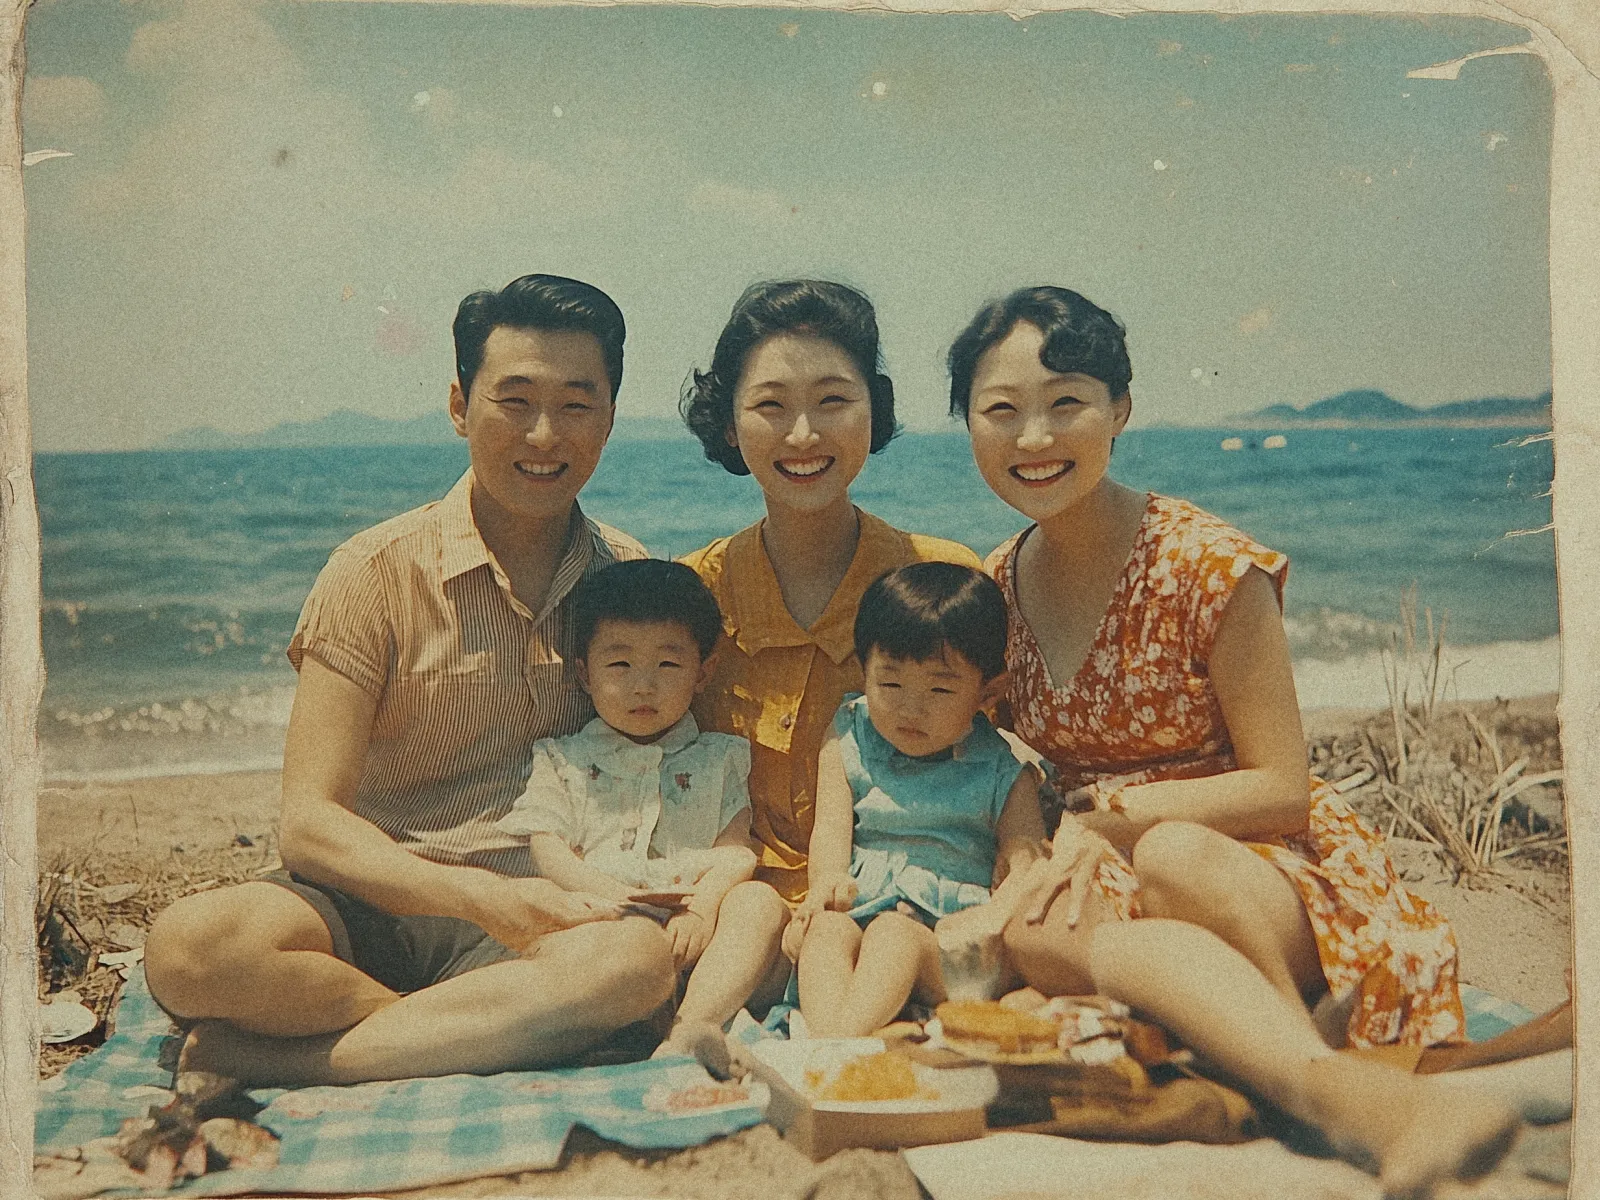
x: 779, y: 685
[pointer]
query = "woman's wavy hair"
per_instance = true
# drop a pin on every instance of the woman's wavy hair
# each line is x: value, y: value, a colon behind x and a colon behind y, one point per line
x: 812, y: 307
x: 1080, y: 338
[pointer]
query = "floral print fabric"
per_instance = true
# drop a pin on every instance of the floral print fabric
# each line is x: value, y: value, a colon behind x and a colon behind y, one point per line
x: 1142, y: 709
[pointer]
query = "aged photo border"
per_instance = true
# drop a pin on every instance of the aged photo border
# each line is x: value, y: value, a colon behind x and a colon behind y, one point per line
x: 1565, y: 34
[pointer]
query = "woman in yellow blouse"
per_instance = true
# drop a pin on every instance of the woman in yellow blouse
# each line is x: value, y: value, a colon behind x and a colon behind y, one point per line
x: 796, y: 398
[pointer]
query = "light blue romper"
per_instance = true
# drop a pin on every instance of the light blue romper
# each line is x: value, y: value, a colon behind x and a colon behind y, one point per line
x: 924, y: 827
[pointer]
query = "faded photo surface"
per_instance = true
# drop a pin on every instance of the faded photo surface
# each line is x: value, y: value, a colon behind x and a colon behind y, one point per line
x: 1327, y: 236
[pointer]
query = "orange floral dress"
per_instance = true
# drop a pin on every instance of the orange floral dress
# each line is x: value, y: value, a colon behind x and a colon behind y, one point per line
x: 1142, y: 709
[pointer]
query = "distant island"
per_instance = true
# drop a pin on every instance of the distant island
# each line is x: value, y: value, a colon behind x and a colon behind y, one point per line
x: 348, y: 428
x: 1369, y: 409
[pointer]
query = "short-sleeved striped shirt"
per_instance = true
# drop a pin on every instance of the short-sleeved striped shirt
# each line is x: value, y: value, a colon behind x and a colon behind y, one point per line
x: 417, y: 612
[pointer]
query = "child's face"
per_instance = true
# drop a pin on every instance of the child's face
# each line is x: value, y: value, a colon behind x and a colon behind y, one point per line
x: 923, y: 707
x: 642, y: 675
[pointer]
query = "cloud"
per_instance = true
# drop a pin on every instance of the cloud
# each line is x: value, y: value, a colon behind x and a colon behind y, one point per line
x: 61, y: 106
x: 729, y: 199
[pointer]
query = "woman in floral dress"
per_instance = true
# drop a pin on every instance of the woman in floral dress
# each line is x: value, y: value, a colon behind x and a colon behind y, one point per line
x: 1149, y: 665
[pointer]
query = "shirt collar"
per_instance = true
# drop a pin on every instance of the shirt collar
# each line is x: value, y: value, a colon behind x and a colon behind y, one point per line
x: 463, y: 549
x: 618, y: 754
x: 462, y: 546
x: 758, y: 614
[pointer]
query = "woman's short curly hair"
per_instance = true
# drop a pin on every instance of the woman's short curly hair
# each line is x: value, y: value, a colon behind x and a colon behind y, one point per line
x: 812, y: 307
x: 1080, y: 338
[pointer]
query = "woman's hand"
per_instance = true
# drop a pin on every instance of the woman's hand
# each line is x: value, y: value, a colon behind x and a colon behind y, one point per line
x: 1076, y: 853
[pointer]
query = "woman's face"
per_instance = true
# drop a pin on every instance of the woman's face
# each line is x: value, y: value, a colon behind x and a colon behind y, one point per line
x: 802, y: 420
x: 1041, y: 440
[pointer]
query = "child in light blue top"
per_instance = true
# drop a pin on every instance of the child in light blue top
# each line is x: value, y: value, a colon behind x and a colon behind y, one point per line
x: 921, y: 806
x: 924, y: 826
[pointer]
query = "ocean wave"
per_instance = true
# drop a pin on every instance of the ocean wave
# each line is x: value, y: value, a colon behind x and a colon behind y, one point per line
x: 207, y: 735
x: 1329, y: 634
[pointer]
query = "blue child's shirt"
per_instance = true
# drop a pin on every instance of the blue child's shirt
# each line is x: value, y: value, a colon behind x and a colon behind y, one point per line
x: 924, y: 827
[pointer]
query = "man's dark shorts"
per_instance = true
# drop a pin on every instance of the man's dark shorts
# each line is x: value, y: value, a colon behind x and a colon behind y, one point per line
x: 405, y: 954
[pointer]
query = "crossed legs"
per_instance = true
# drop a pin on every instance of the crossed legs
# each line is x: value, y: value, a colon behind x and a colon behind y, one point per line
x: 254, y: 966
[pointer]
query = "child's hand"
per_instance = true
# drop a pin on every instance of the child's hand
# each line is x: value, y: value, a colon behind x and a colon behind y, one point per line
x: 836, y: 893
x: 794, y: 935
x: 689, y: 933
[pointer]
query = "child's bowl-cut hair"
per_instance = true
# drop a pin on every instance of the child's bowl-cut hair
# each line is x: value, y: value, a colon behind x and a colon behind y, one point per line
x: 647, y: 591
x: 914, y: 612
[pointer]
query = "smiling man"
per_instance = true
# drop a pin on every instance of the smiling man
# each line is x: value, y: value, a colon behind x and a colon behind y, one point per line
x: 405, y: 936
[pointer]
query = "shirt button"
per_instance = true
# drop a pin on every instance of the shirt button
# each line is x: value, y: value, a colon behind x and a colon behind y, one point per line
x: 785, y: 721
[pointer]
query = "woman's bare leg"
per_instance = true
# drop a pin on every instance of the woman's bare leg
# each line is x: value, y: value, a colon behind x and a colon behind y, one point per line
x: 1219, y: 1004
x: 1194, y: 874
x: 258, y: 956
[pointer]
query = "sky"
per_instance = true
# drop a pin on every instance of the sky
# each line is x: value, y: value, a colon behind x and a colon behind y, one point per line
x: 271, y: 210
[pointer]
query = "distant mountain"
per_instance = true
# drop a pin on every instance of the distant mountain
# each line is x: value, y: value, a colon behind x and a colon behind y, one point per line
x: 1368, y: 409
x: 348, y: 428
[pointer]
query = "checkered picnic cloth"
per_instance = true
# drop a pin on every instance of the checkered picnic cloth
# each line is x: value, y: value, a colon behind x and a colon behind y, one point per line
x: 1489, y: 1016
x: 383, y: 1136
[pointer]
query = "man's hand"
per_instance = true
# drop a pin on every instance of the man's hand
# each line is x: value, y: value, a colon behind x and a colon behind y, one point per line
x: 689, y: 933
x: 524, y: 910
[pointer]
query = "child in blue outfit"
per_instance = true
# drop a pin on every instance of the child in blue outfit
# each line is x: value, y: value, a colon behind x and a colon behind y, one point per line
x: 921, y: 805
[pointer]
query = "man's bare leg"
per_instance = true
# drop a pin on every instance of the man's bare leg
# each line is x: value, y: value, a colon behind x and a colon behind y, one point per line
x: 750, y: 925
x: 260, y: 957
x: 574, y: 988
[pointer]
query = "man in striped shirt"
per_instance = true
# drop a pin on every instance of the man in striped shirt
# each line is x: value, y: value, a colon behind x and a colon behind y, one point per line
x: 404, y: 938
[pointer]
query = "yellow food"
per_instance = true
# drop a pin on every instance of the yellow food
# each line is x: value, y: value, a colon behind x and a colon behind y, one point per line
x: 882, y: 1076
x: 1009, y: 1031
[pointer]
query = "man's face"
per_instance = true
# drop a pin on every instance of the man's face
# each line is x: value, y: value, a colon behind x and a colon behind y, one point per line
x: 537, y: 419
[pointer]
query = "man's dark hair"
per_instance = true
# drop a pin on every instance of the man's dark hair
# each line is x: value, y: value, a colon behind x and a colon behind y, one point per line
x: 914, y: 612
x: 646, y: 590
x: 550, y: 302
x: 809, y: 307
x: 1080, y: 338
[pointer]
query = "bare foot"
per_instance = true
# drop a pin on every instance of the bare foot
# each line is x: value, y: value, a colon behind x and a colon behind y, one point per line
x: 255, y: 1059
x: 706, y: 1043
x: 1415, y: 1133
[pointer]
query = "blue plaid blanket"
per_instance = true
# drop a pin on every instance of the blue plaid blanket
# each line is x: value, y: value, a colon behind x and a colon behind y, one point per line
x: 384, y: 1136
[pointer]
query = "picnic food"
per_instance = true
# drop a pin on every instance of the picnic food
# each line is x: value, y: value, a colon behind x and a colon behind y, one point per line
x: 882, y: 1076
x: 992, y: 1023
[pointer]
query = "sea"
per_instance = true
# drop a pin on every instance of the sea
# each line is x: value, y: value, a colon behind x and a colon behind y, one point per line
x: 172, y: 579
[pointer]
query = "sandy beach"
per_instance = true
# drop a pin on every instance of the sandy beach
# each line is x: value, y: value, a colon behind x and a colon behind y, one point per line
x: 176, y: 834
